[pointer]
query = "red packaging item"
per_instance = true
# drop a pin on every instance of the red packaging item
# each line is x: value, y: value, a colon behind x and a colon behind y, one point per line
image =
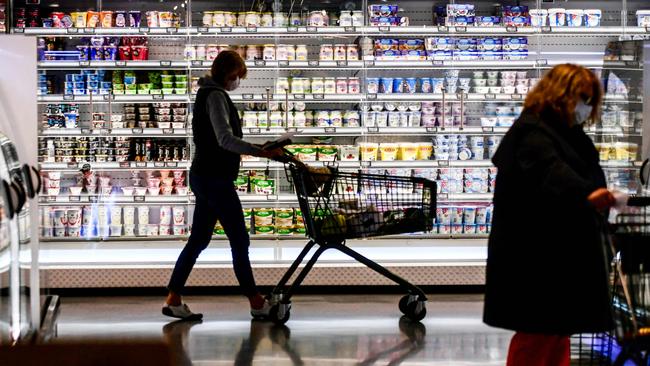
x: 106, y: 19
x: 57, y: 19
x: 125, y: 53
x: 93, y: 19
x: 140, y: 53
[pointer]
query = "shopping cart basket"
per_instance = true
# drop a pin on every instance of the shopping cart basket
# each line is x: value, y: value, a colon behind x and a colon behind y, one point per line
x: 339, y: 205
x: 631, y: 282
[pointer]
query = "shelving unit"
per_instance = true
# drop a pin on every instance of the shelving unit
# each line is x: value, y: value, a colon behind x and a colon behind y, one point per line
x: 547, y: 47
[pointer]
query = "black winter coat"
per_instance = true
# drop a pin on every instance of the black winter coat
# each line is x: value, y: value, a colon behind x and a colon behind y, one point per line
x: 547, y: 263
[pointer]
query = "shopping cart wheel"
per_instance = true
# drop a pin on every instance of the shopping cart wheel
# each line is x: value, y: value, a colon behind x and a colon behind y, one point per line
x: 280, y: 313
x: 412, y: 308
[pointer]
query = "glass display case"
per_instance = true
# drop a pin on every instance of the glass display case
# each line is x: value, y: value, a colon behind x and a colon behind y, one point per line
x: 402, y: 88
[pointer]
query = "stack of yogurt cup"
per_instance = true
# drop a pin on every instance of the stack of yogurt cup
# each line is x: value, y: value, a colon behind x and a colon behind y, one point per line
x: 560, y: 17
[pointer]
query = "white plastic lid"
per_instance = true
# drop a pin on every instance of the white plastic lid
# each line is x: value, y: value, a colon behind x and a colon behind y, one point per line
x: 643, y: 12
x: 593, y: 11
x: 557, y: 10
x: 538, y: 11
x: 575, y: 11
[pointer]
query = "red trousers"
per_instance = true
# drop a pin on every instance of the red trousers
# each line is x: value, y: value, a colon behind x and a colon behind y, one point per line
x: 529, y: 349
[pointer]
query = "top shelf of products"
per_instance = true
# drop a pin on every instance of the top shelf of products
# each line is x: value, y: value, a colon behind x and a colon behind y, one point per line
x: 338, y: 31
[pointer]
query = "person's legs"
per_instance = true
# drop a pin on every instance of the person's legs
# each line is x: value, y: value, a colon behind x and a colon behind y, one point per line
x: 530, y: 349
x: 231, y: 217
x: 203, y: 223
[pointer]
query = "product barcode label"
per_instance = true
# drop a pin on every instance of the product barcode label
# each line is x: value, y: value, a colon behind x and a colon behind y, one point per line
x: 247, y: 96
x: 260, y: 63
x: 51, y: 199
x: 138, y: 198
x: 171, y: 164
x: 299, y: 96
x: 22, y: 30
x: 251, y: 29
x: 369, y: 63
x: 137, y: 131
x: 511, y: 29
x: 89, y: 30
x: 158, y: 164
x: 157, y: 96
x: 319, y: 96
x: 203, y: 30
x: 350, y: 29
x: 74, y: 199
x: 85, y: 131
x: 342, y: 63
x: 313, y: 63
x: 165, y: 63
x: 226, y: 30
x: 365, y: 164
x: 93, y: 199
x: 488, y: 129
x: 106, y: 97
x: 546, y: 29
x: 542, y: 62
x: 254, y: 131
x: 373, y: 129
x: 490, y: 96
x: 292, y: 129
x: 443, y: 162
x: 196, y: 63
x: 168, y: 131
x: 144, y: 30
x: 120, y: 63
x: 330, y: 129
x: 312, y: 29
x: 432, y: 129
x: 516, y: 97
x: 292, y: 29
x: 104, y: 131
x: 438, y: 62
x: 140, y: 164
x: 372, y: 96
x: 68, y: 97
x: 73, y: 165
x: 384, y: 29
x: 172, y: 30
x: 283, y: 63
x: 84, y: 63
x: 461, y: 29
x: 124, y: 164
x: 632, y: 63
x: 443, y: 29
x: 443, y: 196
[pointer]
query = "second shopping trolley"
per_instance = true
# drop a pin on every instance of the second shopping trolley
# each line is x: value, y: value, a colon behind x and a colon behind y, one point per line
x: 337, y: 206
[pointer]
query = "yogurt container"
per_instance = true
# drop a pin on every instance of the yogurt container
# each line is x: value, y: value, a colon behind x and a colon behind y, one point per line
x: 574, y: 17
x: 372, y: 85
x: 348, y: 153
x: 538, y: 17
x: 386, y: 85
x: 409, y: 150
x: 592, y: 17
x: 643, y: 18
x: 368, y: 151
x: 557, y: 17
x: 388, y: 151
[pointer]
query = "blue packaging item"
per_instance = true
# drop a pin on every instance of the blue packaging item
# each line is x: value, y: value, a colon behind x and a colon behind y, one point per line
x: 110, y: 53
x: 88, y: 72
x: 42, y: 84
x: 386, y: 85
x: 42, y: 77
x: 92, y: 77
x: 411, y: 44
x: 79, y: 92
x: 70, y: 120
x: 440, y: 10
x: 96, y: 53
x: 515, y: 43
x: 425, y: 85
x: 414, y: 54
x: 106, y: 84
x: 516, y: 21
x: 487, y: 21
x: 466, y: 55
x: 379, y: 10
x: 398, y: 85
x: 460, y: 10
x: 79, y: 85
x: 437, y: 84
x: 100, y: 74
x: 83, y: 53
x: 491, y: 55
x: 388, y: 54
x: 372, y: 85
x: 460, y: 21
x: 410, y: 86
x: 466, y: 44
x: 104, y: 91
x: 440, y: 55
x: 515, y: 10
x: 490, y: 44
x: 93, y: 85
x: 515, y: 55
x: 129, y: 80
x: 384, y: 44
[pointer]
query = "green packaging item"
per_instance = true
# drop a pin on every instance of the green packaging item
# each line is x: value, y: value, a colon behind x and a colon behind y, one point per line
x: 327, y: 153
x: 145, y: 86
x: 298, y: 215
x: 241, y: 183
x: 182, y: 78
x: 167, y: 84
x: 219, y: 231
x: 154, y: 77
x: 155, y: 91
x: 117, y: 77
x: 284, y: 230
x: 300, y: 229
x: 118, y: 92
x: 140, y: 91
x: 180, y: 84
x: 293, y: 149
x: 118, y: 86
x: 167, y: 78
x: 263, y: 186
x: 264, y: 230
x: 284, y: 217
x: 263, y: 216
x: 181, y: 91
x: 132, y: 87
x: 167, y: 91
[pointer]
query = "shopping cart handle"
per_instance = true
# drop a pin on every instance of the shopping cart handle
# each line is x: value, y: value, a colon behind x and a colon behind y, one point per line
x: 638, y: 201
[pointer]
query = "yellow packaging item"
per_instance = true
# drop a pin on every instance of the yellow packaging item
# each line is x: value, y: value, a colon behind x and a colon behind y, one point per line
x: 79, y: 19
x: 265, y: 230
x: 297, y: 213
x: 425, y: 150
x: 218, y: 229
x: 283, y: 216
x: 308, y: 153
x: 263, y: 216
x: 633, y: 150
x: 368, y: 151
x: 408, y: 151
x: 388, y: 151
x: 622, y: 152
x: 284, y: 230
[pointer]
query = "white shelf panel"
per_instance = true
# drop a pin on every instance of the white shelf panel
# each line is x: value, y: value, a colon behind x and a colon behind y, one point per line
x: 135, y: 132
x: 112, y: 199
x: 149, y: 64
x: 115, y: 165
x: 377, y: 164
x: 317, y: 98
x: 137, y: 98
x: 339, y: 31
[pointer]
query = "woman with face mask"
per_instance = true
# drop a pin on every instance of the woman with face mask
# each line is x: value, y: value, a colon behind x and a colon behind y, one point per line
x: 547, y: 266
x: 217, y: 131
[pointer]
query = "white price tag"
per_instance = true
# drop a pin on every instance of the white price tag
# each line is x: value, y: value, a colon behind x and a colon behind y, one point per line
x: 203, y: 30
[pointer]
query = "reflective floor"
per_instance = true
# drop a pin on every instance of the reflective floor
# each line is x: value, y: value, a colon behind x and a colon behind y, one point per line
x: 323, y: 330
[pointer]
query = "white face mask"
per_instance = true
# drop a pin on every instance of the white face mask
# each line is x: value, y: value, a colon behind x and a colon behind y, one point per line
x: 582, y: 113
x: 232, y: 84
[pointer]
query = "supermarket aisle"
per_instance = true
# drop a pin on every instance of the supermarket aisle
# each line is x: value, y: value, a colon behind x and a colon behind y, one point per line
x: 324, y: 330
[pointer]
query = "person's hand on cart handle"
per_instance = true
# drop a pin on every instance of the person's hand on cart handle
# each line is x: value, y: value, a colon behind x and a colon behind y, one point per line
x: 272, y: 153
x: 601, y: 199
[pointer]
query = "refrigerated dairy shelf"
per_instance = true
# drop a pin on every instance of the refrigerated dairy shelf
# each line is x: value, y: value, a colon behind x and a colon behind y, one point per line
x: 112, y: 199
x: 144, y: 132
x: 375, y: 164
x: 127, y: 165
x: 338, y: 31
x: 114, y: 98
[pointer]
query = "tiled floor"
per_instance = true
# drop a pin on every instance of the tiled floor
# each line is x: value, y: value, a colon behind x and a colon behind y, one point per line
x: 323, y: 330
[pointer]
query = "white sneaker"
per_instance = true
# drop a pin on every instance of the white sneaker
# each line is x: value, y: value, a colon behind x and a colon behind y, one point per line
x: 263, y: 312
x: 181, y: 312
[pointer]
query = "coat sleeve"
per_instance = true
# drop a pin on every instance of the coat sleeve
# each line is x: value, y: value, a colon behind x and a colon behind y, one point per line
x: 219, y: 118
x: 539, y: 160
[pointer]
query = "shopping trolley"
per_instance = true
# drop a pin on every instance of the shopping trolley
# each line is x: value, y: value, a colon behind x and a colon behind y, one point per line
x: 337, y: 206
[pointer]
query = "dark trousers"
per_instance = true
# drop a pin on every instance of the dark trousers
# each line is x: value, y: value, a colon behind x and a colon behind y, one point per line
x: 216, y: 199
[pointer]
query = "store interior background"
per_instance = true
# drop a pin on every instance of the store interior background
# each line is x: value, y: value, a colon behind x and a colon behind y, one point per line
x: 449, y: 259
